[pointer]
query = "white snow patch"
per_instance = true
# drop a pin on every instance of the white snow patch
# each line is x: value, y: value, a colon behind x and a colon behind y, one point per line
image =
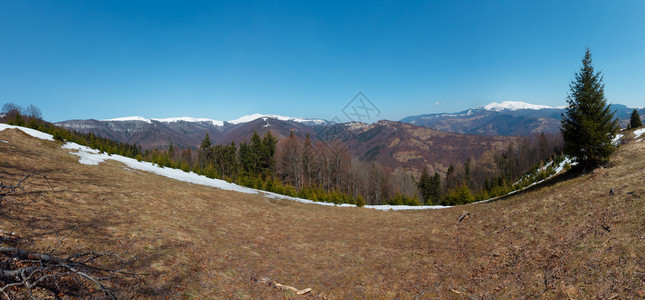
x: 616, y: 140
x: 87, y: 155
x: 404, y: 207
x: 4, y: 142
x: 639, y: 132
x: 357, y: 125
x: 515, y: 105
x: 560, y: 167
x: 29, y: 131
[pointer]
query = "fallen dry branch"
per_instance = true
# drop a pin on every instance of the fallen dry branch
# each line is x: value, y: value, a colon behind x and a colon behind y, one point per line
x: 73, y: 275
x: 464, y: 215
x: 283, y: 287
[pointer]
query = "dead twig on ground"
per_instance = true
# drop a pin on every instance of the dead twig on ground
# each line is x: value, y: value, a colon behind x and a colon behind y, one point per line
x: 283, y: 287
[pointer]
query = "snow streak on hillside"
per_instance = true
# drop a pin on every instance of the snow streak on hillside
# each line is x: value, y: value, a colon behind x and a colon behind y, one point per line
x: 90, y: 156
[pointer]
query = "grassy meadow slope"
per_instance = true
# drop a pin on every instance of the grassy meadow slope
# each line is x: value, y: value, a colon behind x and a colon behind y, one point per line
x: 568, y: 238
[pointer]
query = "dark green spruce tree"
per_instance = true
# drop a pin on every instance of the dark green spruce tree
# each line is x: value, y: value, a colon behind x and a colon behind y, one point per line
x: 205, y: 152
x: 425, y: 186
x: 588, y: 125
x: 635, y: 120
x: 435, y: 191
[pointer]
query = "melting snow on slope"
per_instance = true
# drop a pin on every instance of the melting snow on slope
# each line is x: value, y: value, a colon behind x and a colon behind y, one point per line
x: 93, y: 157
x: 90, y: 156
x: 29, y: 131
x: 557, y: 170
x: 638, y: 133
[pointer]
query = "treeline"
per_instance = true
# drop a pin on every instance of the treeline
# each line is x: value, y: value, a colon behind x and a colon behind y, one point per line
x: 301, y: 168
x: 31, y: 117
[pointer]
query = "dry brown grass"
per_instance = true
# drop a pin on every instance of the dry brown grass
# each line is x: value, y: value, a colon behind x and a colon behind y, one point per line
x: 568, y: 239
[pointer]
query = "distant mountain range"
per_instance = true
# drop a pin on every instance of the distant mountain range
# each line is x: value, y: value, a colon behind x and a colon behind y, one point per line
x: 433, y: 141
x: 506, y: 118
x: 394, y: 144
x: 184, y: 131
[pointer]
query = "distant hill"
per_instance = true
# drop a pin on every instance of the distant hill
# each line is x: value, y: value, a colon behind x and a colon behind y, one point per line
x: 506, y: 118
x: 399, y: 145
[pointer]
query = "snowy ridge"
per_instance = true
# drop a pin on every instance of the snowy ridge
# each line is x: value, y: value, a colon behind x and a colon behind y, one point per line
x: 244, y: 119
x: 90, y: 156
x: 133, y: 118
x: 253, y: 117
x: 166, y: 120
x: 516, y: 105
x: 189, y: 119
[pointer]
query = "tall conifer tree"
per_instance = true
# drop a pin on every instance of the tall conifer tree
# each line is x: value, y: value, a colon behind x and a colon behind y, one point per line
x: 588, y: 124
x: 635, y: 120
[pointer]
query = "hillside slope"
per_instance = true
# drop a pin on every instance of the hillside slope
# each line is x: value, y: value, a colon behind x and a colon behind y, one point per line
x: 569, y: 238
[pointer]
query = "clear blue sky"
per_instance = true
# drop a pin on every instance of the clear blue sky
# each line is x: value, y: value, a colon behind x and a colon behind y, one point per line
x: 222, y: 60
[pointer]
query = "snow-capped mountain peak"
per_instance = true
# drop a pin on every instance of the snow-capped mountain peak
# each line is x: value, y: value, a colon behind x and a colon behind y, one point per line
x: 256, y: 116
x: 514, y: 105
